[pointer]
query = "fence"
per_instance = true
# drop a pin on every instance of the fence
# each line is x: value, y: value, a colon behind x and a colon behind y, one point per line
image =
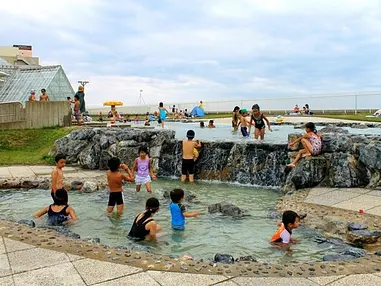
x: 322, y: 103
x: 34, y: 115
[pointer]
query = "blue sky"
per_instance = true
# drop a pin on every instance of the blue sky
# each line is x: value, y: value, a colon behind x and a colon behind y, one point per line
x: 190, y: 50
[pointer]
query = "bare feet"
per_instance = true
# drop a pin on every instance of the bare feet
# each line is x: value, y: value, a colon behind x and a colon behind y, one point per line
x: 306, y: 155
x: 292, y: 165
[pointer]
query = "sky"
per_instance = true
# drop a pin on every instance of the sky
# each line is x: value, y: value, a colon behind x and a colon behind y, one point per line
x: 211, y: 50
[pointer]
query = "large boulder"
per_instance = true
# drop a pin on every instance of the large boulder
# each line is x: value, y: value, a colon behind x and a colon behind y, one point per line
x: 223, y: 258
x: 356, y: 226
x: 308, y: 173
x: 331, y: 128
x: 370, y: 155
x: 82, y: 134
x: 89, y: 157
x: 89, y: 187
x: 226, y: 209
x: 335, y: 143
x: 360, y: 237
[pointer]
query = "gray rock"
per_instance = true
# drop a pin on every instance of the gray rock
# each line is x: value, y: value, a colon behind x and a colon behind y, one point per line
x: 356, y: 226
x: 333, y: 129
x: 226, y: 209
x: 214, y: 208
x: 10, y: 184
x: 90, y: 156
x: 128, y: 143
x: 27, y: 222
x: 76, y: 185
x: 104, y: 158
x: 44, y: 184
x: 338, y: 257
x: 223, y: 258
x: 94, y: 240
x: 359, y: 126
x: 370, y: 155
x: 30, y: 184
x: 103, y: 142
x: 246, y: 258
x: 335, y: 143
x: 308, y: 173
x: 63, y: 230
x: 89, y: 187
x: 378, y: 253
x: 355, y: 252
x: 364, y: 236
x: 82, y: 134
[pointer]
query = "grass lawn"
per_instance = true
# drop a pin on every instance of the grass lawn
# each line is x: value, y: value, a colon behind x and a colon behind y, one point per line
x: 29, y: 146
x: 358, y: 116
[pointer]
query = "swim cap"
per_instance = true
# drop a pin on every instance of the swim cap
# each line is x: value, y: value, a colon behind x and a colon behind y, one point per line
x: 244, y: 110
x: 190, y: 134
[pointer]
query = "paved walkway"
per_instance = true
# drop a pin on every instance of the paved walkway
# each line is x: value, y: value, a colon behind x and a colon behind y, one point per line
x: 24, y: 264
x: 350, y: 199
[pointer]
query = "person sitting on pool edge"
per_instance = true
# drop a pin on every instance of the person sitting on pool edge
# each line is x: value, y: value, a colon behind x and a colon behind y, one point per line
x: 115, y: 179
x: 311, y: 141
x: 59, y: 211
x: 189, y: 146
x: 178, y: 212
x: 290, y: 221
x: 144, y: 227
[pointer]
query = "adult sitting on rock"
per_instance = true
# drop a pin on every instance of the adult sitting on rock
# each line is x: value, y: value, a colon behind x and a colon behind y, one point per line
x: 311, y: 142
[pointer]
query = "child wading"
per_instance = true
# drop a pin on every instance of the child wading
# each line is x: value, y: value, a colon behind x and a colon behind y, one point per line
x: 162, y: 114
x: 115, y: 179
x: 57, y: 174
x: 311, y: 142
x: 144, y: 227
x: 258, y: 120
x: 59, y: 211
x: 178, y: 211
x: 235, y: 119
x: 242, y: 118
x: 189, y: 157
x: 144, y: 172
x: 290, y: 221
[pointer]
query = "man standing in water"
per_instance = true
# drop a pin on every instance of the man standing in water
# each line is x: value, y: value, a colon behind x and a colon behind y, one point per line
x: 81, y: 95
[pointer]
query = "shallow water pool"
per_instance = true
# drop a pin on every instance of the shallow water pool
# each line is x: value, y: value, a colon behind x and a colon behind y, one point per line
x: 224, y: 132
x: 204, y: 236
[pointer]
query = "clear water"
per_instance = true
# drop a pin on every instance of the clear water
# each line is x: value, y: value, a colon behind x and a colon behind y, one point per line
x: 204, y: 236
x: 224, y: 132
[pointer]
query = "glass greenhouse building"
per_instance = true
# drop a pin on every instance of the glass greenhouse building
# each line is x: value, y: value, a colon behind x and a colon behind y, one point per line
x: 16, y: 82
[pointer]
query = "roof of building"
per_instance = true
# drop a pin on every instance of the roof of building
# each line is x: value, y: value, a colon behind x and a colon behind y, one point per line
x: 20, y: 80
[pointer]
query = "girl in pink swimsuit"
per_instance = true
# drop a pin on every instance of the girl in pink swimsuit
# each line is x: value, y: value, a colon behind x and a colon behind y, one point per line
x: 311, y: 142
x: 144, y: 172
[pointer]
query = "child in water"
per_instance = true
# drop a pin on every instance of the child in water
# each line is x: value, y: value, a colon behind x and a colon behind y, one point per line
x: 115, y: 179
x: 57, y: 174
x: 144, y: 227
x: 290, y: 221
x: 311, y: 142
x: 259, y: 122
x: 189, y: 156
x: 144, y: 172
x: 235, y: 119
x: 178, y: 212
x: 242, y: 118
x: 59, y: 211
x: 211, y: 124
x: 162, y: 114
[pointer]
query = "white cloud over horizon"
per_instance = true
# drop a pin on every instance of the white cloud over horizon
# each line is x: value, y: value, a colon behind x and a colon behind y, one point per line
x: 203, y: 50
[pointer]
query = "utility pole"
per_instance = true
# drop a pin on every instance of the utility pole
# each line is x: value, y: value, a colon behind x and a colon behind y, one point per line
x: 83, y: 83
x: 141, y: 101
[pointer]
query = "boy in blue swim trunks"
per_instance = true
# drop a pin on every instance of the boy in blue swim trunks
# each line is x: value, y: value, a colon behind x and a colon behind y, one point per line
x: 178, y: 211
x: 242, y: 118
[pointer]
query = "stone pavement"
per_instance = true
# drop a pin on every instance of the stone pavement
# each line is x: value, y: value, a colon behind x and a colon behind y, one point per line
x: 24, y: 264
x: 350, y: 199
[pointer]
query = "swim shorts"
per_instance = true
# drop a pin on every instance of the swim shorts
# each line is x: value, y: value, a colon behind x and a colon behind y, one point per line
x: 244, y: 131
x: 178, y: 227
x: 187, y: 167
x: 142, y: 180
x: 115, y: 198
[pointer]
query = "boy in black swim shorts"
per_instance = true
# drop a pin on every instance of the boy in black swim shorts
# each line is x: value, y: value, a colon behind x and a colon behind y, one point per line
x: 188, y: 157
x: 115, y: 179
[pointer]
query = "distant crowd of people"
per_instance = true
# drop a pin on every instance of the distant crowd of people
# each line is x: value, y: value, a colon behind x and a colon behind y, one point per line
x: 305, y: 111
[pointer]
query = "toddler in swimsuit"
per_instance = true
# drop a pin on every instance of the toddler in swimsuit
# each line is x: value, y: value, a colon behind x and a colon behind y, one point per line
x: 290, y: 221
x: 311, y: 142
x: 143, y: 168
x: 115, y: 179
x: 242, y: 119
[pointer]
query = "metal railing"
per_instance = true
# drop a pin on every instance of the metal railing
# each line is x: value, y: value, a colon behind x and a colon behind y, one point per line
x: 340, y: 102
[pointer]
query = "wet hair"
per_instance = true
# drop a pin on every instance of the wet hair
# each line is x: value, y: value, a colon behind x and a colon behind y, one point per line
x: 311, y: 126
x: 190, y: 134
x: 236, y: 109
x: 60, y: 197
x: 143, y: 149
x: 307, y: 106
x: 76, y: 96
x: 59, y: 157
x: 152, y: 206
x: 161, y: 104
x: 43, y: 90
x: 176, y: 195
x: 211, y: 121
x: 113, y: 164
x: 255, y: 106
x: 289, y: 217
x: 202, y: 124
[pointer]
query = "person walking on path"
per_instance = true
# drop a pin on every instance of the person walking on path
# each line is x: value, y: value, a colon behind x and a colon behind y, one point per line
x: 81, y: 96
